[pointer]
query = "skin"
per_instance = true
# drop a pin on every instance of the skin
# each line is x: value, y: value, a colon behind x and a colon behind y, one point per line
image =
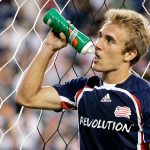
x: 30, y: 92
x: 109, y: 59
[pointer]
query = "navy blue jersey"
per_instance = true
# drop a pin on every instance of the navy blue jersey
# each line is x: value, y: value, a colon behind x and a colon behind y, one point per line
x: 110, y: 117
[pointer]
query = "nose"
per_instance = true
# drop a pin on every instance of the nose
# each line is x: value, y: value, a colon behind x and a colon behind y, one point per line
x: 99, y: 44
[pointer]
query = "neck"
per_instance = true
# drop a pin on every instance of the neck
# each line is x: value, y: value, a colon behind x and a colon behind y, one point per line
x: 116, y: 76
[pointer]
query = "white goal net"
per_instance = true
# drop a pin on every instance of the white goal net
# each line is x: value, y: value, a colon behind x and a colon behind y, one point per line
x: 22, y: 32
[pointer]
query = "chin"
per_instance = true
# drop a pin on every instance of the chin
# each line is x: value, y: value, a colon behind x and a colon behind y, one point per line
x: 97, y: 68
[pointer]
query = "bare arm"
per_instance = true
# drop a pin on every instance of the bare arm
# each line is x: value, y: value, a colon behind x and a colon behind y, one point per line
x: 30, y: 92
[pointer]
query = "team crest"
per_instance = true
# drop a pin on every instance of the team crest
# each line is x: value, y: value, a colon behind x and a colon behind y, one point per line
x: 122, y: 111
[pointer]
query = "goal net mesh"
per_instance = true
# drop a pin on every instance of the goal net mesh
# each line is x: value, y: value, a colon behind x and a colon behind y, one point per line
x: 22, y: 33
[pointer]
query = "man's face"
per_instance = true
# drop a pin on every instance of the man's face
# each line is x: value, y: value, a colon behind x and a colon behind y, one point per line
x: 109, y: 48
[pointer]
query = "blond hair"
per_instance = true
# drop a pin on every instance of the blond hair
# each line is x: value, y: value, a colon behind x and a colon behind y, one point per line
x: 138, y: 27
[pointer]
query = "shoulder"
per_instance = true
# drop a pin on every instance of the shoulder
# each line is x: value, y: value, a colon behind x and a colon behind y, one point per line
x: 140, y: 83
x: 94, y: 81
x: 79, y: 81
x: 140, y: 88
x: 85, y: 81
x: 135, y: 84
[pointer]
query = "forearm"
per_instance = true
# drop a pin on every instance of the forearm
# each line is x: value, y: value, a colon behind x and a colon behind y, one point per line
x: 30, y: 91
x: 33, y: 77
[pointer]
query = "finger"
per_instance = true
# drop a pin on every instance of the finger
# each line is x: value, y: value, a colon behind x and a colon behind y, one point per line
x: 69, y: 21
x: 62, y: 36
x: 55, y: 33
x: 70, y: 24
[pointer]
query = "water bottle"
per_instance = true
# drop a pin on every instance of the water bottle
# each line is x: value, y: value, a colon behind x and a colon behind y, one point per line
x: 77, y: 39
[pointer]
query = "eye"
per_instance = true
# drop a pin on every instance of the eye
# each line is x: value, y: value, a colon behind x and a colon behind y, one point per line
x: 110, y: 40
x: 99, y: 34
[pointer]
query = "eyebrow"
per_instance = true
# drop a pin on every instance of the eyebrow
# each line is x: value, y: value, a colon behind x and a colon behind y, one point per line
x: 99, y: 33
x: 106, y: 36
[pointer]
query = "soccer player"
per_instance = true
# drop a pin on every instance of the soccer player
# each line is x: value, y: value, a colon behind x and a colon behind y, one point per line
x: 113, y: 111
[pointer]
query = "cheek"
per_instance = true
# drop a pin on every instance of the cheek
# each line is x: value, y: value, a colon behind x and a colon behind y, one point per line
x: 114, y: 58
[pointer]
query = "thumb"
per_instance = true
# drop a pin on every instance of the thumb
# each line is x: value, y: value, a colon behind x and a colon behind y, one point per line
x: 63, y: 36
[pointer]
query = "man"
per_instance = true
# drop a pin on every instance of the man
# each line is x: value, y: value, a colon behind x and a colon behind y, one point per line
x: 114, y: 112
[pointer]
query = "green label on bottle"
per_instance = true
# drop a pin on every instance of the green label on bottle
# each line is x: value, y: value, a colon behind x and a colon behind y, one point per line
x: 59, y: 24
x: 72, y: 36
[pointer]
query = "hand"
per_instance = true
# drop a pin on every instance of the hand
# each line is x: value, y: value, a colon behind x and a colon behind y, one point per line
x: 55, y: 41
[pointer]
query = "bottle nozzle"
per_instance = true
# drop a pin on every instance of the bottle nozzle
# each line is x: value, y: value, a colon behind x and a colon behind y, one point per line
x: 88, y: 48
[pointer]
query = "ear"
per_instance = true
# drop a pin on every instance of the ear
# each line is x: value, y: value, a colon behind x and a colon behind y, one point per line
x: 130, y: 55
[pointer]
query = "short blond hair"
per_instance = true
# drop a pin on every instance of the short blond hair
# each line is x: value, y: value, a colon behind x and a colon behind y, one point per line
x: 138, y: 27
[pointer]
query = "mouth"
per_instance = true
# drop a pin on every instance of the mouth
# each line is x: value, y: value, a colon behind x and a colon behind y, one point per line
x: 97, y: 57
